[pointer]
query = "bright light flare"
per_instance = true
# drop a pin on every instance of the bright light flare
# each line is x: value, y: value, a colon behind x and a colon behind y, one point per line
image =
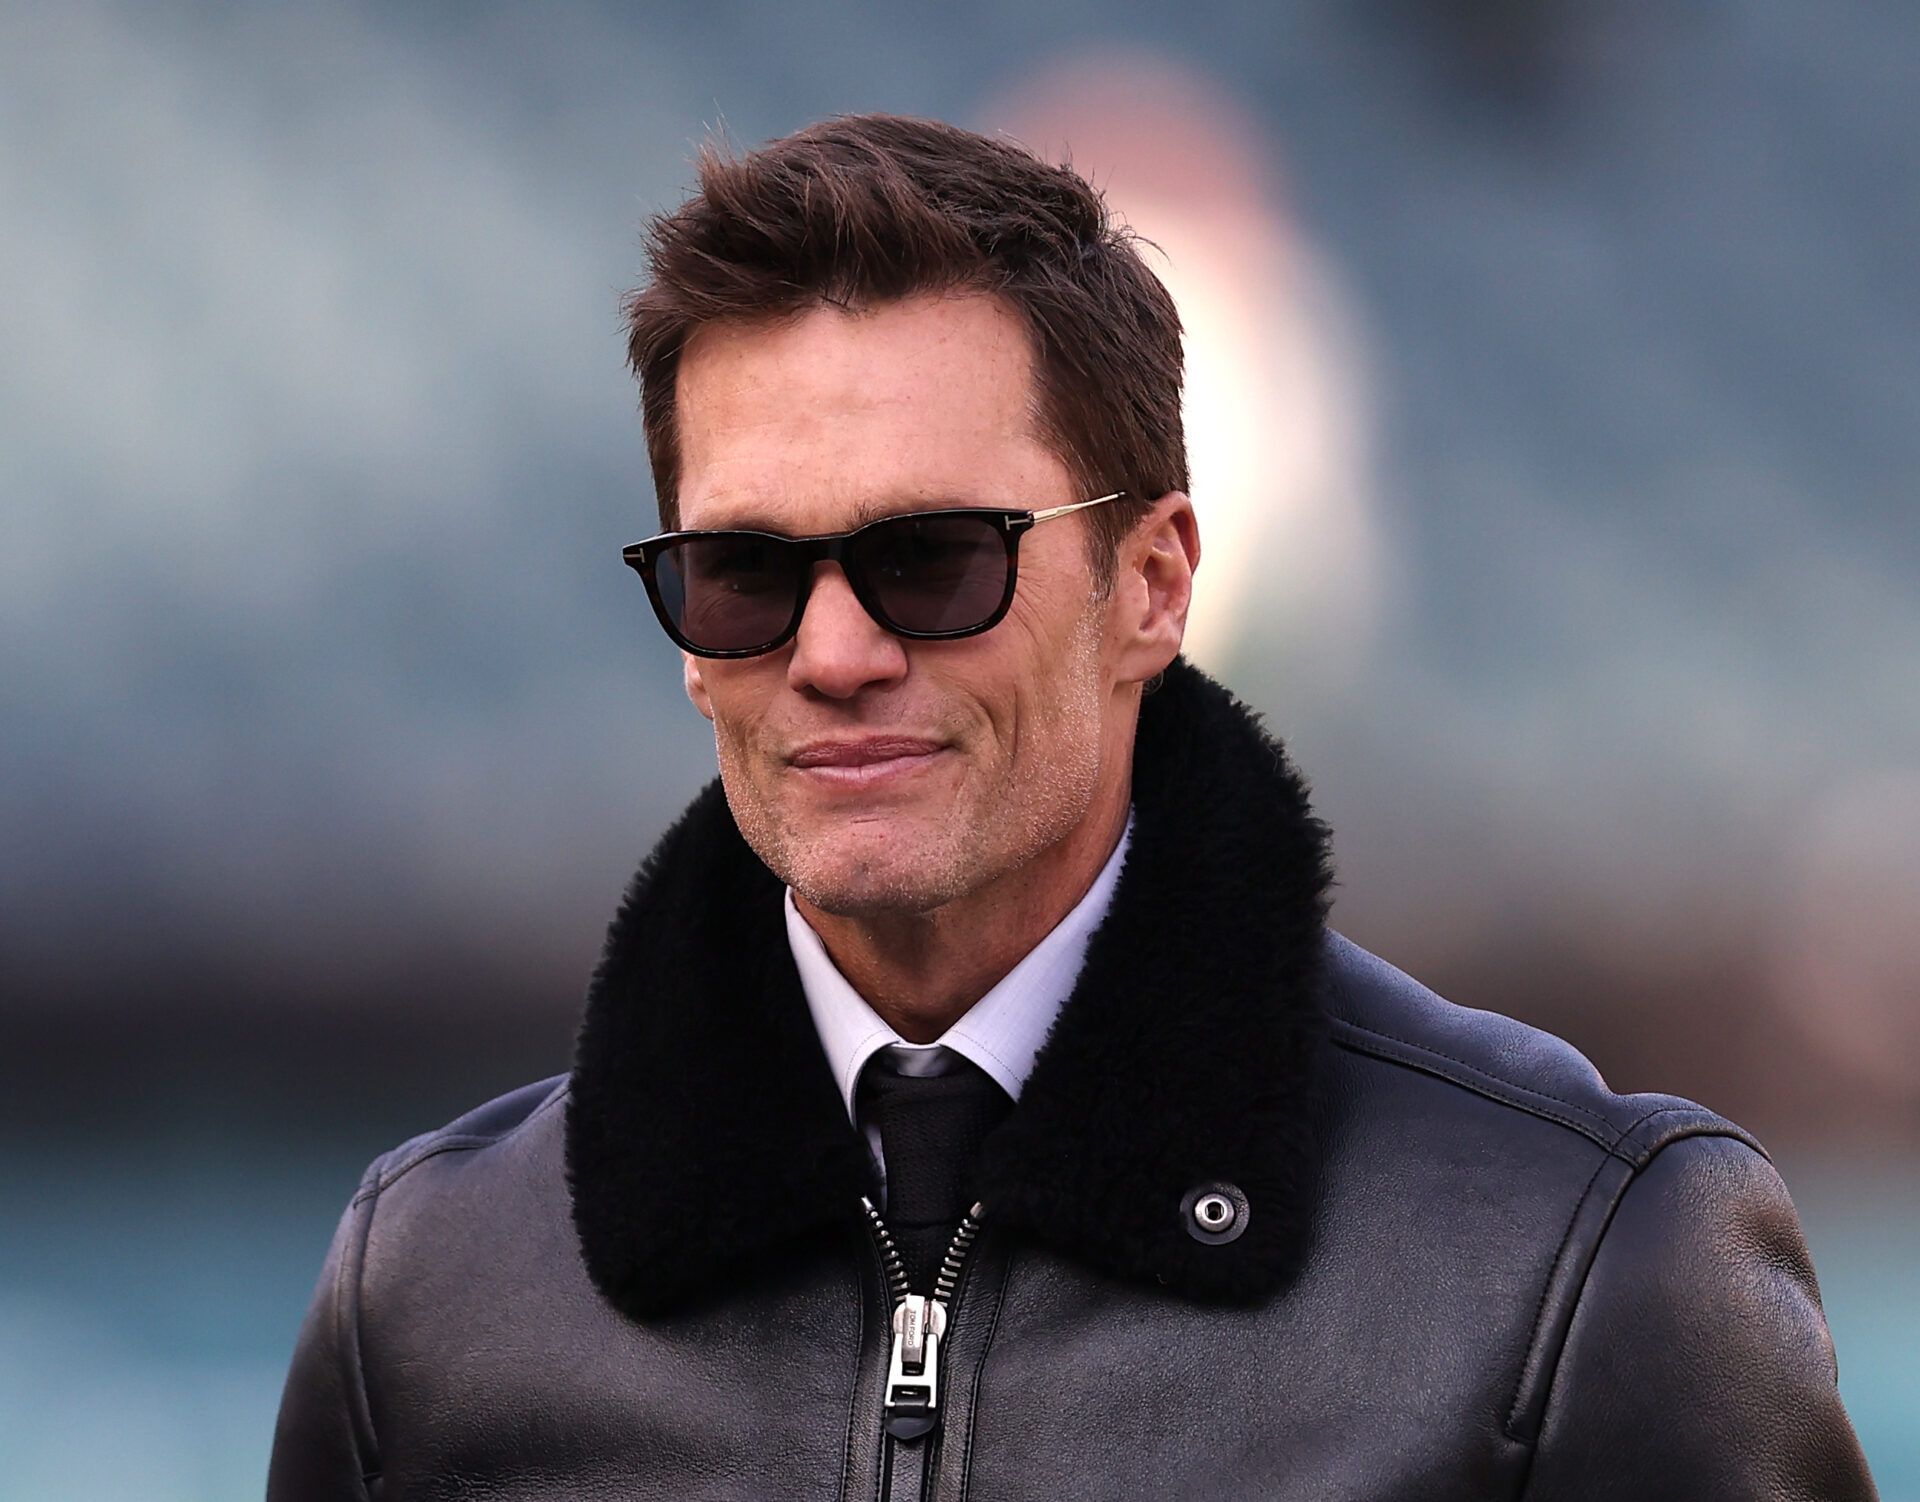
x: 1276, y: 413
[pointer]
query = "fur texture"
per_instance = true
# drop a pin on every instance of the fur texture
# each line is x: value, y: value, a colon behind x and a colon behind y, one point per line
x: 1186, y: 1054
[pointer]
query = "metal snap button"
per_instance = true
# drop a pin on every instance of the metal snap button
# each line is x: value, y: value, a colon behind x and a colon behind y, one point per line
x: 1215, y: 1213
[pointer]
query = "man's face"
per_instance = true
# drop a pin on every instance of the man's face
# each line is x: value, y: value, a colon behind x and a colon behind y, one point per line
x: 875, y: 774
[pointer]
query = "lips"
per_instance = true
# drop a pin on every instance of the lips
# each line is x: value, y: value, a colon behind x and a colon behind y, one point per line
x: 866, y: 751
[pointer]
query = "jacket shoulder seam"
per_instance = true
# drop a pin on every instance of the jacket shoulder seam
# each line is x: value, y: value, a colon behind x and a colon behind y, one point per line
x: 456, y: 1142
x: 1540, y: 1308
x: 1468, y: 1076
x: 1632, y: 1142
x: 1559, y: 1313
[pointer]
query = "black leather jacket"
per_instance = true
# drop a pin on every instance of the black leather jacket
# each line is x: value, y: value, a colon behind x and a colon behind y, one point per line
x: 1270, y: 1220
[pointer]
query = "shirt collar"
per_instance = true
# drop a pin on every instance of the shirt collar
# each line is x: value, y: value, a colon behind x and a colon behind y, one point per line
x: 1001, y: 1032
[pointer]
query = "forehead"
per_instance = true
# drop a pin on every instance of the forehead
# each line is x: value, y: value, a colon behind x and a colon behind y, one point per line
x: 820, y: 421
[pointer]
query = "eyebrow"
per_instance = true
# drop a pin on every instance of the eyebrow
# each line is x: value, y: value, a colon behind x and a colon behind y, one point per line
x: 876, y: 509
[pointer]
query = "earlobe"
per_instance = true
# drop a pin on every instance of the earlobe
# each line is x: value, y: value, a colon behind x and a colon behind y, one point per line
x: 696, y: 684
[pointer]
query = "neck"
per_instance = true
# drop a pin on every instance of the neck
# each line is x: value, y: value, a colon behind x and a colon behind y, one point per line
x: 922, y: 971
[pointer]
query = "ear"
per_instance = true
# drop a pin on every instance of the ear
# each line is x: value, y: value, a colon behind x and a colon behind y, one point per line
x: 1153, y: 587
x: 696, y: 685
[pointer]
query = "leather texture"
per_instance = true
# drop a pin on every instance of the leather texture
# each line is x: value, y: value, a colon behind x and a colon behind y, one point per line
x: 1518, y: 1284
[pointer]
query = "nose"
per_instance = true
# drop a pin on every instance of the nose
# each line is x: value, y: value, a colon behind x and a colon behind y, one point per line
x: 840, y: 649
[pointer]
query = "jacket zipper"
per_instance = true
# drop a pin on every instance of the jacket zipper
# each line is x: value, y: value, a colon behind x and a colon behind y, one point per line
x: 919, y: 1326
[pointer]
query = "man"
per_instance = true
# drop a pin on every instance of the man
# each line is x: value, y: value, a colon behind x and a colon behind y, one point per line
x: 971, y: 1100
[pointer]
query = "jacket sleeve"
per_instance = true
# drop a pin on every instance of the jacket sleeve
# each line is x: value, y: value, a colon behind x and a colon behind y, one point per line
x: 1698, y: 1364
x: 323, y: 1448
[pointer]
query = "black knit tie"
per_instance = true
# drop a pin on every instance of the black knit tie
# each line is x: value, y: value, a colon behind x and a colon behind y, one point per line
x: 931, y: 1127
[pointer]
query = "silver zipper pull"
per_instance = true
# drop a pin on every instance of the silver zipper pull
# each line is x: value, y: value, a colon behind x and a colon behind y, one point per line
x: 913, y: 1372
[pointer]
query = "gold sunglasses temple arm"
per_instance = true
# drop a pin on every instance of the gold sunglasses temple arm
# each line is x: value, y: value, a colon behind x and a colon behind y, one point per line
x: 1051, y: 512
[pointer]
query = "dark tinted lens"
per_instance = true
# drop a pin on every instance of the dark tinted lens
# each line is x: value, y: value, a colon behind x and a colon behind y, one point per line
x: 729, y: 592
x: 934, y: 573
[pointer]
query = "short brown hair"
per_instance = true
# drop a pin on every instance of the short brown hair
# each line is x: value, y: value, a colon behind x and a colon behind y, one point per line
x: 868, y: 209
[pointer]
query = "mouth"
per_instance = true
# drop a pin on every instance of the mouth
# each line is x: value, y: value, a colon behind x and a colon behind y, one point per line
x: 858, y: 763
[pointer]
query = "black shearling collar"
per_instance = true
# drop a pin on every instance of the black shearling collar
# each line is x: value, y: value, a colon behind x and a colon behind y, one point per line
x: 1186, y: 1054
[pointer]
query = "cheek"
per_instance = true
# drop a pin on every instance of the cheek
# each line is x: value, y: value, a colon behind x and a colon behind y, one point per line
x: 738, y: 733
x: 1055, y: 612
x: 1049, y: 706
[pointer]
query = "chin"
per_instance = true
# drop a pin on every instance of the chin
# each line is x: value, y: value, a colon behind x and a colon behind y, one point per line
x: 842, y: 878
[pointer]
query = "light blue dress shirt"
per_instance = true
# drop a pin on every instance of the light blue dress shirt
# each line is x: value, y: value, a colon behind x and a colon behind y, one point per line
x: 1001, y: 1032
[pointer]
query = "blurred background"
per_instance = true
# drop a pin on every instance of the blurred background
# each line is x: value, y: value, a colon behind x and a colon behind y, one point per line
x: 1555, y: 404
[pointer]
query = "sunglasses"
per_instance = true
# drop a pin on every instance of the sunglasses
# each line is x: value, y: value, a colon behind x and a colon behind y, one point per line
x: 924, y: 575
